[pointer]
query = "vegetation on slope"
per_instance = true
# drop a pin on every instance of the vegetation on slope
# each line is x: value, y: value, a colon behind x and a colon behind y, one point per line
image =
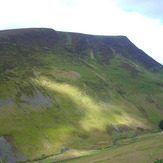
x: 145, y: 149
x: 66, y: 90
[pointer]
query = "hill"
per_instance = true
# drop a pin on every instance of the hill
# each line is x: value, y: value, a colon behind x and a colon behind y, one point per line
x: 67, y: 90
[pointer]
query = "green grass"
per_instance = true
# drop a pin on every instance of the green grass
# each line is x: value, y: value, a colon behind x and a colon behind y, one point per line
x: 146, y: 148
x: 86, y: 95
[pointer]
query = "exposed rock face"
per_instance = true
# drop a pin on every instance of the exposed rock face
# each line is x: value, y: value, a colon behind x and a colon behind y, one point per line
x: 7, y: 101
x: 116, y: 130
x: 6, y: 152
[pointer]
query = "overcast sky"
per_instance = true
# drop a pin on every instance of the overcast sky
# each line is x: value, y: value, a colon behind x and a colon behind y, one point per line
x: 140, y: 20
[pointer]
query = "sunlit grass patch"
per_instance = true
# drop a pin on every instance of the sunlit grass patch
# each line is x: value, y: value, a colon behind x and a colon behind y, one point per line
x: 93, y: 110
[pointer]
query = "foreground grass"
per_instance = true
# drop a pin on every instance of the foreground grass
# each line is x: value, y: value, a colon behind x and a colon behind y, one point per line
x: 143, y: 149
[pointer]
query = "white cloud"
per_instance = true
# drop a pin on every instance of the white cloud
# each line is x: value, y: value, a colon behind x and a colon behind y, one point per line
x: 85, y: 16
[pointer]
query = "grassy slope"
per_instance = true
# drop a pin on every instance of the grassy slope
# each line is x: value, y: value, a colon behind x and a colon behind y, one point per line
x: 143, y: 149
x: 79, y: 89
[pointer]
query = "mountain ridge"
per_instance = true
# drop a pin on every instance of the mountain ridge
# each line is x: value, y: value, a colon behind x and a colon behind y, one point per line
x: 52, y: 35
x: 68, y: 90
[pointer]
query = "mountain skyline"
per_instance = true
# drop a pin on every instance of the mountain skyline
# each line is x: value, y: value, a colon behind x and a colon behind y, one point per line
x: 140, y: 21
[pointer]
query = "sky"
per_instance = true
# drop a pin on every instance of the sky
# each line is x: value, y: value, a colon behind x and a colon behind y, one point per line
x: 140, y: 20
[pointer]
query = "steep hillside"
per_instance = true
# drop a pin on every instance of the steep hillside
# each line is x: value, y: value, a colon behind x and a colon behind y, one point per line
x: 66, y: 90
